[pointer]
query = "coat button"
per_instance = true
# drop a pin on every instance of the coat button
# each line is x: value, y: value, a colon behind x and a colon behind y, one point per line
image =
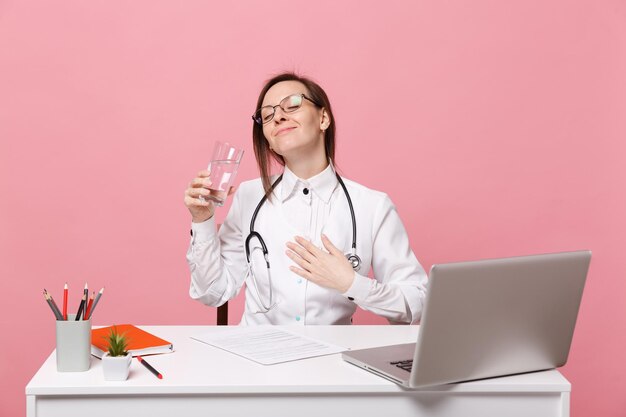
x: 305, y: 191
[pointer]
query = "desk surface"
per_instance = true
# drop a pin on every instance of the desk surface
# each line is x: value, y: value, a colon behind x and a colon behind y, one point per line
x: 198, y: 368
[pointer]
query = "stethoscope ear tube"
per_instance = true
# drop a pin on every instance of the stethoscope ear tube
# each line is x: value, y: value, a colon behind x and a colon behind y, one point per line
x: 263, y: 247
x: 256, y: 234
x: 352, y: 257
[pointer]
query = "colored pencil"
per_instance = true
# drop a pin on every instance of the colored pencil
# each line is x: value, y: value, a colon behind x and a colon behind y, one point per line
x: 86, y: 292
x: 150, y: 368
x: 56, y: 308
x: 83, y: 303
x: 81, y: 307
x: 54, y: 305
x: 65, y: 302
x: 56, y: 312
x: 88, y: 309
x: 95, y: 302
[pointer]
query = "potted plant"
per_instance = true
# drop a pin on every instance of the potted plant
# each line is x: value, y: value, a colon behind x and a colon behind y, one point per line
x: 116, y: 361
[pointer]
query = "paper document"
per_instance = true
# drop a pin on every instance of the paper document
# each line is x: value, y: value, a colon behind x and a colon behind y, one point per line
x: 267, y: 345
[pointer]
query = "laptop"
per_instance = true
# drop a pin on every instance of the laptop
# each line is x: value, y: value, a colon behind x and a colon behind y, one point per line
x: 488, y: 318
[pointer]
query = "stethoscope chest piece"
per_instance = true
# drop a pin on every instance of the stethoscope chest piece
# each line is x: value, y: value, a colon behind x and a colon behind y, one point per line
x: 354, y: 260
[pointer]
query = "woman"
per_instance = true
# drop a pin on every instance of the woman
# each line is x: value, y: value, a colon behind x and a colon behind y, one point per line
x: 309, y: 220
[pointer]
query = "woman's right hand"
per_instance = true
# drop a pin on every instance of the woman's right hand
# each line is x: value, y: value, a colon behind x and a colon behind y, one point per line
x: 201, y: 210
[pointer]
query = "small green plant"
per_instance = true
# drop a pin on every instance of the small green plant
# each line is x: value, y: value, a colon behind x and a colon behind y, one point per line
x: 118, y: 343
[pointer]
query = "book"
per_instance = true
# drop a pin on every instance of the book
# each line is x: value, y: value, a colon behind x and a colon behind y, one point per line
x: 140, y: 342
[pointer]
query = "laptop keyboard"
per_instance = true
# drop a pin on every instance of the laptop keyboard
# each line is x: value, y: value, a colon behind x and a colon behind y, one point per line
x: 406, y: 365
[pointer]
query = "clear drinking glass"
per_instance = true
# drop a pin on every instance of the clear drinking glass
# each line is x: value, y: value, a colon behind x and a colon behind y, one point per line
x: 223, y: 168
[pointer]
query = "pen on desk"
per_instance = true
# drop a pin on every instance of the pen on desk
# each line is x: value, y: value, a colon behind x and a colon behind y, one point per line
x: 56, y: 312
x: 81, y: 307
x: 65, y: 302
x: 95, y: 302
x: 150, y: 368
x: 89, y: 304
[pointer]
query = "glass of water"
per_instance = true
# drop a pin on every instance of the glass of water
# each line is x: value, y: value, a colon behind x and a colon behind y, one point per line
x: 223, y: 168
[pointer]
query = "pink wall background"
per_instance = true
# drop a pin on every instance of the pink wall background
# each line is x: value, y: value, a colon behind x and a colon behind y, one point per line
x: 497, y: 128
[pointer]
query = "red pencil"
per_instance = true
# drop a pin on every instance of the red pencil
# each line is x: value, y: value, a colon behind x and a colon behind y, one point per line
x: 150, y: 368
x: 65, y: 302
x: 88, y: 310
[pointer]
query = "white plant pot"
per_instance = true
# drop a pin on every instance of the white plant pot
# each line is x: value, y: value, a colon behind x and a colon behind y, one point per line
x: 116, y: 368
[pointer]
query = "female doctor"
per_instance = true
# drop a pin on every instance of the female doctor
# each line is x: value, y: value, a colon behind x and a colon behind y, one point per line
x: 303, y: 242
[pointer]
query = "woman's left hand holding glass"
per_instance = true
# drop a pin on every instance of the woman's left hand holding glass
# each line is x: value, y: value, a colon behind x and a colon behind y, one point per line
x: 327, y: 269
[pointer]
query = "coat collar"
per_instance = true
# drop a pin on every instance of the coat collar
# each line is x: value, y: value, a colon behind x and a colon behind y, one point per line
x: 322, y: 184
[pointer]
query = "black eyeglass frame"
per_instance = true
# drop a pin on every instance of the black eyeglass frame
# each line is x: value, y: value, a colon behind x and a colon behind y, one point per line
x: 259, y: 120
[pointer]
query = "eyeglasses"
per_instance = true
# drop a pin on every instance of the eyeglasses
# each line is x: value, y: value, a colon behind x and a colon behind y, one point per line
x: 288, y: 105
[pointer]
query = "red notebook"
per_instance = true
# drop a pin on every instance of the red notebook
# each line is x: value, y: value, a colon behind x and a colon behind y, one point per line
x: 140, y: 342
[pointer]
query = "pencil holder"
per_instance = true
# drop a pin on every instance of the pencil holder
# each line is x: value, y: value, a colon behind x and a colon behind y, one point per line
x: 73, y: 344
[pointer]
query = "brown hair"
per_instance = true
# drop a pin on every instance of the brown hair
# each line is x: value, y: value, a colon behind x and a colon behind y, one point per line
x: 262, y: 150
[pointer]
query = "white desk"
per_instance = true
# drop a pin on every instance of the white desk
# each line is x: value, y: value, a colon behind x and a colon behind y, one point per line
x: 200, y: 380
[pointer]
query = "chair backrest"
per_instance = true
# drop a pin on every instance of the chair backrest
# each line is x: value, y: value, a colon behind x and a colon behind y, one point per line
x: 222, y: 314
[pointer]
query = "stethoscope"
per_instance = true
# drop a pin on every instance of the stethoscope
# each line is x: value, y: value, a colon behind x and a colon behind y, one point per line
x: 352, y: 257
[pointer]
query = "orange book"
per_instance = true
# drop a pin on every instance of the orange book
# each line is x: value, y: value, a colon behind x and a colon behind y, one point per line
x: 140, y: 342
